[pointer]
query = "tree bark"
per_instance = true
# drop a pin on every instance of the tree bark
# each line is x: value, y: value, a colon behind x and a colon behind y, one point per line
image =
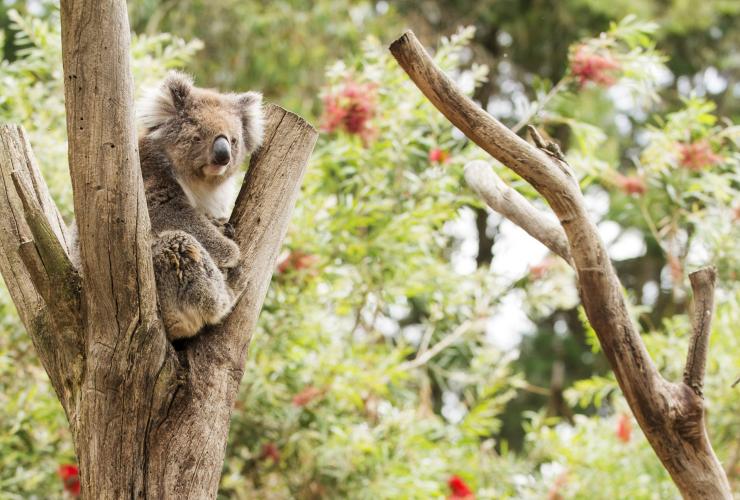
x: 670, y: 414
x: 147, y: 421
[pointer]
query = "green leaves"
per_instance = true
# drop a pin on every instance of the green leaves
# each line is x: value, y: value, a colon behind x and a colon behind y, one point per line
x: 368, y: 280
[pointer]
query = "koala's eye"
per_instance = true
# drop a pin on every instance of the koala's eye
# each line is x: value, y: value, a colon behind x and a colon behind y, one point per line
x: 233, y: 141
x: 197, y: 138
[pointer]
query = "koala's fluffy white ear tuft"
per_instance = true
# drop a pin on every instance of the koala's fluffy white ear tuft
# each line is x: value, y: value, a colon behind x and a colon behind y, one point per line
x: 250, y: 108
x: 164, y: 102
x: 179, y: 85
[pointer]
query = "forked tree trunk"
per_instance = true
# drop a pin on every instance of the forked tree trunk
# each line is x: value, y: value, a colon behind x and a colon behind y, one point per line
x: 147, y: 421
x: 671, y: 414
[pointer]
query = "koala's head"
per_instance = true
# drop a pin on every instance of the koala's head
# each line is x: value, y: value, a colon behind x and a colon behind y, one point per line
x: 205, y: 133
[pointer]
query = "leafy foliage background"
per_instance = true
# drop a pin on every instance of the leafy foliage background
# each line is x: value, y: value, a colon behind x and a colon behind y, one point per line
x: 380, y: 264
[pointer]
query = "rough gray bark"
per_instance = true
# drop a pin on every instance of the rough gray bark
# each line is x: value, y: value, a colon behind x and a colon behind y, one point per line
x: 147, y: 421
x: 670, y: 414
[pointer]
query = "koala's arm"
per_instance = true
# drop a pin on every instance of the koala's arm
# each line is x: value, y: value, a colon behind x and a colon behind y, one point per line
x: 224, y: 226
x: 181, y: 216
x: 191, y: 290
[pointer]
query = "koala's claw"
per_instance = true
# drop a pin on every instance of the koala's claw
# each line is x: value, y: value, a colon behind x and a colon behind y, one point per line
x: 228, y: 230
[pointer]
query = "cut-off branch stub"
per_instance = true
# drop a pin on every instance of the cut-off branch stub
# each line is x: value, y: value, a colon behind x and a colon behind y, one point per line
x: 35, y: 266
x: 262, y: 213
x: 702, y: 283
x: 63, y: 284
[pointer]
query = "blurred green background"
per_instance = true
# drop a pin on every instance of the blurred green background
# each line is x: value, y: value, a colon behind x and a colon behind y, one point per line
x: 389, y: 253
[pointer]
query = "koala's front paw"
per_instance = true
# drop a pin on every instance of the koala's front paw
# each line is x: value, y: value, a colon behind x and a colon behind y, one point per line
x: 191, y: 289
x: 228, y: 230
x: 224, y: 226
x: 181, y: 327
x: 219, y: 302
x: 226, y: 254
x: 234, y: 277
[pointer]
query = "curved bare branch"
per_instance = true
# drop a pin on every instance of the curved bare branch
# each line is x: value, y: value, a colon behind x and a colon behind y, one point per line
x: 671, y: 419
x: 515, y: 207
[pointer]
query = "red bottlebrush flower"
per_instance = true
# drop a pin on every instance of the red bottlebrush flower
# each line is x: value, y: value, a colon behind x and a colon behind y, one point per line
x: 351, y: 109
x: 697, y: 155
x: 631, y: 184
x: 270, y: 451
x: 70, y: 476
x: 306, y: 395
x: 554, y: 491
x: 437, y: 155
x: 297, y: 261
x: 624, y: 428
x: 676, y: 268
x: 460, y: 490
x: 538, y: 271
x: 588, y: 66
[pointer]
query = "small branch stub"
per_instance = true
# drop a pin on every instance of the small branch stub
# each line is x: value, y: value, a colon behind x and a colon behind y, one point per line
x: 702, y: 284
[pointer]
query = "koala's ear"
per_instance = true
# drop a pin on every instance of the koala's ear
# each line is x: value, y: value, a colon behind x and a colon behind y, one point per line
x: 178, y: 85
x: 166, y: 101
x: 250, y: 109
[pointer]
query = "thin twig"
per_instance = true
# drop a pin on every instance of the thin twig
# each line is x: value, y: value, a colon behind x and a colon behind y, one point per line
x: 440, y: 346
x: 540, y: 105
x: 425, y: 341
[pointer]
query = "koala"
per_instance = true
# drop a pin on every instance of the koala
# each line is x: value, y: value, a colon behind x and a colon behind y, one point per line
x: 191, y: 145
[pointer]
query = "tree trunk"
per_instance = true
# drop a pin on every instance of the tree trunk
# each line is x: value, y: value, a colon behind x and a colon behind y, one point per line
x: 670, y: 414
x: 147, y: 421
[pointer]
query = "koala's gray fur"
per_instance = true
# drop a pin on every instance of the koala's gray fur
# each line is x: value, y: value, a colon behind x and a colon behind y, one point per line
x: 190, y: 187
x: 189, y: 191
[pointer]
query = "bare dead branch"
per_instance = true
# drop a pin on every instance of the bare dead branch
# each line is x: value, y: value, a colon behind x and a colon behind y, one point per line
x: 672, y: 422
x: 41, y: 192
x: 128, y: 363
x: 702, y: 284
x: 515, y: 207
x: 526, y: 160
x: 262, y: 213
x: 61, y: 282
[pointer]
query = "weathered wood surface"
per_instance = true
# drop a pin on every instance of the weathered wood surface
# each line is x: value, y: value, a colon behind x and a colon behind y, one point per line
x: 671, y: 414
x: 147, y: 421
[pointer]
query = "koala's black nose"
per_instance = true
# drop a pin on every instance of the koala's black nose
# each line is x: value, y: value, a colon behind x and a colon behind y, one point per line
x: 221, y: 151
